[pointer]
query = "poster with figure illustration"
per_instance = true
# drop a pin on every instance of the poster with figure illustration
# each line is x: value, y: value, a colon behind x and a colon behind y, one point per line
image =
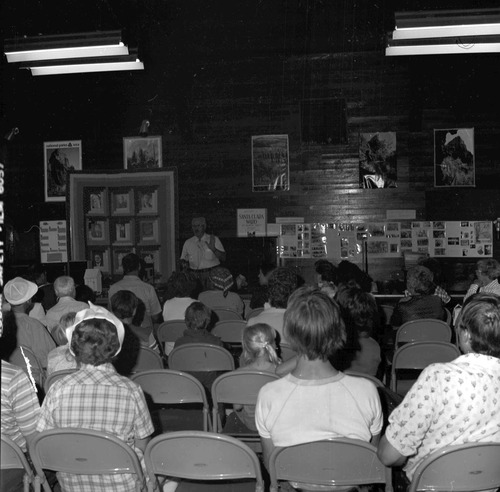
x: 270, y: 163
x: 377, y: 160
x: 454, y: 158
x: 59, y: 158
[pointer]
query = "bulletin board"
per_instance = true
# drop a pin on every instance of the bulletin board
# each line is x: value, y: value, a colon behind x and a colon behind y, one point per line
x: 348, y: 241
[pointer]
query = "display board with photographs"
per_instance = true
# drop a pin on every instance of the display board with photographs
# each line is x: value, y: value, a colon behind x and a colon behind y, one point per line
x: 123, y: 213
x: 392, y: 239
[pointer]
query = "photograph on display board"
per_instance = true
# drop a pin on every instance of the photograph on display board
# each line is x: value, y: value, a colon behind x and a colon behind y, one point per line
x: 97, y: 202
x: 59, y: 158
x: 454, y: 163
x: 270, y: 163
x: 122, y: 202
x: 142, y: 152
x: 97, y: 231
x: 99, y: 258
x: 148, y: 202
x: 377, y: 160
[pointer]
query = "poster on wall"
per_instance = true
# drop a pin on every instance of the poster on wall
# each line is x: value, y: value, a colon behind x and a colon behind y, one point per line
x: 454, y: 163
x: 270, y: 163
x: 251, y: 222
x: 53, y: 241
x: 377, y: 160
x: 59, y: 158
x: 295, y: 241
x: 142, y: 152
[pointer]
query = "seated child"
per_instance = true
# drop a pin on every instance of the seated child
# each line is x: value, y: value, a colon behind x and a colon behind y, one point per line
x: 259, y: 354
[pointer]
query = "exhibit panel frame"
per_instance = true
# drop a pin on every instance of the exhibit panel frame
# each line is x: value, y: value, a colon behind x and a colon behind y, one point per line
x: 126, y: 226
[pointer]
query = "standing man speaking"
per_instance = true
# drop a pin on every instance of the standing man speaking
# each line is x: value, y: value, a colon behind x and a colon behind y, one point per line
x: 202, y: 252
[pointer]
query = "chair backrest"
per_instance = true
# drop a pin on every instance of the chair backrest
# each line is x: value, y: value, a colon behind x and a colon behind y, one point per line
x: 230, y: 330
x: 418, y: 355
x: 83, y: 452
x: 286, y: 352
x: 203, y: 456
x: 55, y: 376
x: 461, y: 468
x: 147, y: 360
x: 253, y: 312
x: 423, y: 330
x: 334, y: 462
x: 12, y: 457
x: 19, y: 360
x: 170, y: 331
x: 448, y: 316
x: 223, y: 313
x: 169, y: 387
x: 200, y: 357
x: 239, y: 387
x: 373, y: 379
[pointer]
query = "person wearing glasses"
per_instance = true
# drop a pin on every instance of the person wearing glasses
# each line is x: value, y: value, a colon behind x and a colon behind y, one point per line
x: 487, y: 274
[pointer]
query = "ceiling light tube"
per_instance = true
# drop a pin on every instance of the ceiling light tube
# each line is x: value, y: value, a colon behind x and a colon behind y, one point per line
x: 78, y: 45
x: 104, y: 66
x: 446, y: 31
x: 442, y: 49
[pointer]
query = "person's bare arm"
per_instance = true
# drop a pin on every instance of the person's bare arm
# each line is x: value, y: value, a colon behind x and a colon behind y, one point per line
x: 388, y: 454
x: 221, y: 255
x: 142, y: 443
x: 267, y: 450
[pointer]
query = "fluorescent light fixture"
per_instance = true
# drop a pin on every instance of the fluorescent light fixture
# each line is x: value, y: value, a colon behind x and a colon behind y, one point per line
x: 445, y: 32
x: 86, y: 65
x: 65, y: 46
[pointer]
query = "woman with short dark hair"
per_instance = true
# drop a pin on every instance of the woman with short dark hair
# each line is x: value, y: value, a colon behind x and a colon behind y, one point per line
x: 487, y: 274
x: 316, y: 401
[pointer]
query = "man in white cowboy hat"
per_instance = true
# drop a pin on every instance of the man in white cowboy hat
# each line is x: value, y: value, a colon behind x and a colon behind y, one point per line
x: 30, y: 332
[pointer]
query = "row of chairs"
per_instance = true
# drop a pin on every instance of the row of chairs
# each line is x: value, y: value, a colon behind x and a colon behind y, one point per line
x: 197, y: 457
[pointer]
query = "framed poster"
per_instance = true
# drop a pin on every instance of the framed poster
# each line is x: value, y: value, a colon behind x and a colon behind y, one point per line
x: 377, y: 160
x: 59, y: 158
x: 142, y: 152
x: 120, y: 232
x: 270, y: 163
x: 148, y: 202
x: 454, y: 158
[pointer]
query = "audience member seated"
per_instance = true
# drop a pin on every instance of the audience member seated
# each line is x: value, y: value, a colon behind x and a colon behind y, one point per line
x: 435, y: 267
x: 18, y: 292
x: 46, y: 294
x: 85, y: 293
x: 95, y: 397
x: 282, y: 283
x: 487, y: 274
x: 221, y: 281
x: 199, y: 321
x: 261, y: 295
x: 316, y: 401
x: 326, y: 277
x: 361, y: 352
x: 351, y: 275
x: 421, y: 303
x: 20, y: 405
x: 259, y: 354
x: 65, y: 291
x: 132, y: 268
x: 61, y: 357
x: 455, y: 402
x: 181, y: 292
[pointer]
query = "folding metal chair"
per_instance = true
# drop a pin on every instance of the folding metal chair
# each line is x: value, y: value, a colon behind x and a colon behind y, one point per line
x: 200, y: 357
x: 170, y: 331
x: 417, y: 356
x: 423, y: 330
x: 223, y: 313
x: 340, y: 463
x: 461, y: 468
x: 253, y: 312
x: 286, y: 352
x: 13, y: 458
x: 241, y: 388
x: 147, y: 360
x: 230, y: 330
x: 169, y: 387
x: 198, y: 457
x: 373, y: 379
x: 83, y: 452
